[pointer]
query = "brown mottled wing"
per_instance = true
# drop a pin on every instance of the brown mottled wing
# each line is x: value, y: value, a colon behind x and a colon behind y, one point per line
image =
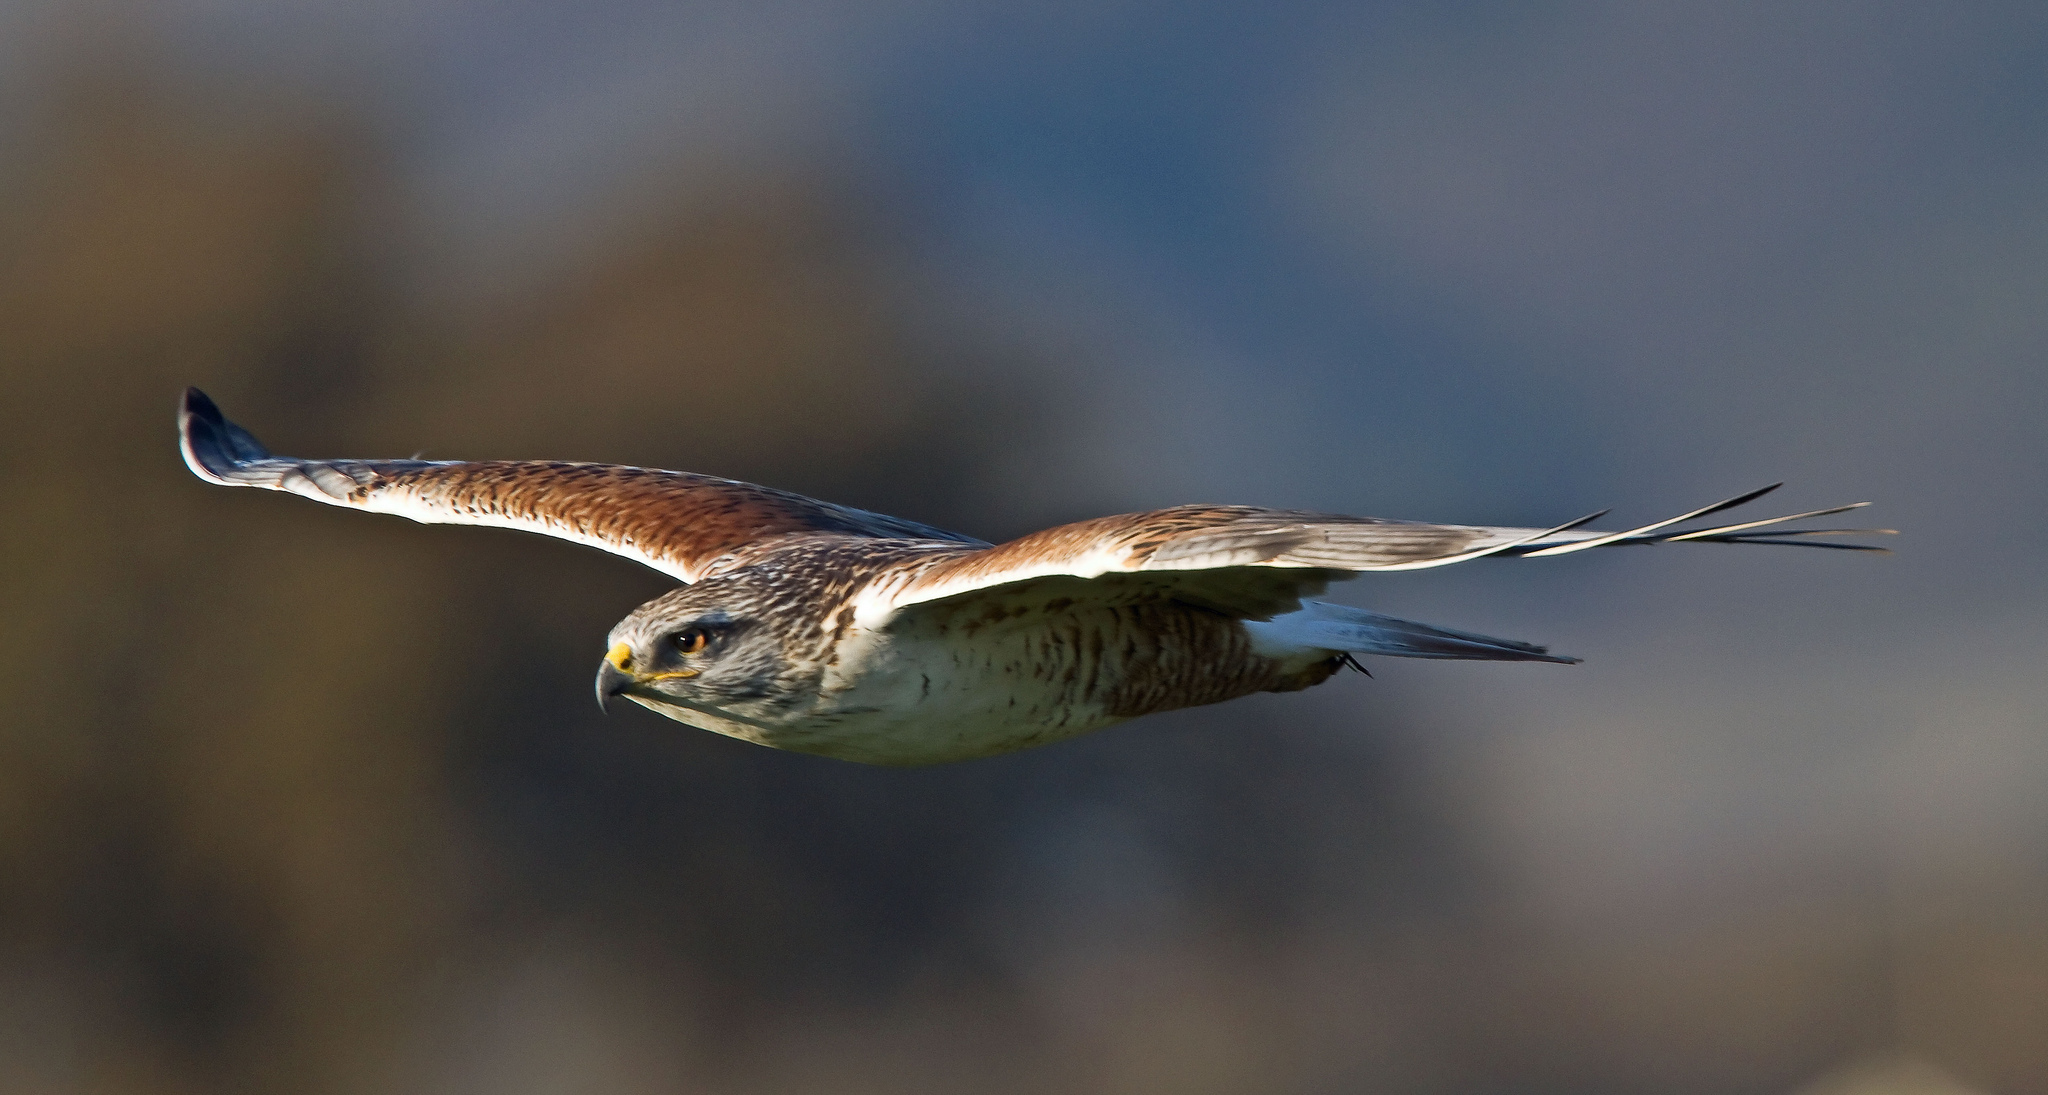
x: 681, y: 524
x: 1255, y: 562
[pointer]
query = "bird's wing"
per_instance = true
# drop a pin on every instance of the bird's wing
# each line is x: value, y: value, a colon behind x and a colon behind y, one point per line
x: 680, y: 524
x: 1253, y: 562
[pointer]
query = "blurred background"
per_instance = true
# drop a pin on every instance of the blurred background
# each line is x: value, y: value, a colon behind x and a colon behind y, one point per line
x: 296, y: 799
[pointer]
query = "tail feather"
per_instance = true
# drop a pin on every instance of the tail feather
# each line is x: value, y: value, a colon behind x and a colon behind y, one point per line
x: 1324, y: 626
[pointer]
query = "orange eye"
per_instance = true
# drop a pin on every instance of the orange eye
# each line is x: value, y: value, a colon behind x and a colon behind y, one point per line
x: 692, y: 641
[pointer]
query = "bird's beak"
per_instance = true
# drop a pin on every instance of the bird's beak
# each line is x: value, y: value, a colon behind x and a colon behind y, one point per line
x: 612, y: 677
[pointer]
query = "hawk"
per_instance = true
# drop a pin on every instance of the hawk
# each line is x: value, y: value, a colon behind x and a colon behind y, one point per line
x: 819, y: 628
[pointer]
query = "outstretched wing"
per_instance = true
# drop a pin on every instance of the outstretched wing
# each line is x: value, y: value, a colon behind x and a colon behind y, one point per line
x: 680, y: 524
x: 1254, y: 562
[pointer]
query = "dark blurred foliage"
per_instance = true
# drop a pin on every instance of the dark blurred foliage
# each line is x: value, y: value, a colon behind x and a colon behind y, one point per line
x: 295, y: 799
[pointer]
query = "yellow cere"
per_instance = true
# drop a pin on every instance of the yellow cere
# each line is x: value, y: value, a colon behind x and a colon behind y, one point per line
x: 619, y: 655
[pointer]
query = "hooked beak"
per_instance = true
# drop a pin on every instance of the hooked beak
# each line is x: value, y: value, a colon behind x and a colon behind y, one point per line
x: 615, y: 674
x: 612, y: 677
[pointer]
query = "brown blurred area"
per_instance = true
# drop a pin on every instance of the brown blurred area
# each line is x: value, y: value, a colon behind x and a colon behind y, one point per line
x: 236, y: 849
x: 293, y: 799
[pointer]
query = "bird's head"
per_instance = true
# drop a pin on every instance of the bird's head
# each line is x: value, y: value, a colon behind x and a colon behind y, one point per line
x: 707, y: 654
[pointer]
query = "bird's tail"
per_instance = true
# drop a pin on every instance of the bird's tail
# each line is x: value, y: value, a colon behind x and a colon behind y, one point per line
x: 1324, y: 626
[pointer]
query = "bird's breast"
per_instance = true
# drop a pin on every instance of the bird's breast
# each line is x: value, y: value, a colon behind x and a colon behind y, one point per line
x: 998, y: 676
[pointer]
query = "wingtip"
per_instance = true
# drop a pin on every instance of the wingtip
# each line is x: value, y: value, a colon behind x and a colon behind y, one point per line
x: 213, y: 447
x: 199, y: 437
x: 197, y: 403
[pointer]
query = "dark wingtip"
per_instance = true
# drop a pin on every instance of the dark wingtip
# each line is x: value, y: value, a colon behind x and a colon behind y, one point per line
x: 199, y: 437
x: 212, y: 445
x: 196, y: 404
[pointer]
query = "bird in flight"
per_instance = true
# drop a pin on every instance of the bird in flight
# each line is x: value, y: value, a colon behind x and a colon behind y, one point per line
x: 823, y: 629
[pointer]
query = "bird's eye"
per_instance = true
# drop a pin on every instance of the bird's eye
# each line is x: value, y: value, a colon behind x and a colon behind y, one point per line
x: 693, y: 641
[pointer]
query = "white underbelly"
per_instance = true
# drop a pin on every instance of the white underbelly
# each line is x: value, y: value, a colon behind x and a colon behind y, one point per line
x: 914, y: 699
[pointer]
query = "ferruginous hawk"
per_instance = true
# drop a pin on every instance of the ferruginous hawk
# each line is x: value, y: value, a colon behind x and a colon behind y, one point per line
x: 808, y: 626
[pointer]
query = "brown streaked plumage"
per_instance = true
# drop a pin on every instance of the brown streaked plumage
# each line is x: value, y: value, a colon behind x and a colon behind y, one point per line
x: 831, y: 630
